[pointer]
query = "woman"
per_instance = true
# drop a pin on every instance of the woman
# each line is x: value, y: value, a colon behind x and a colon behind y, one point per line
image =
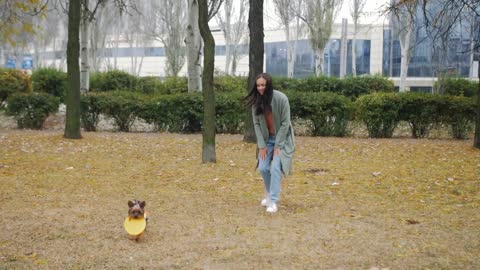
x: 275, y: 139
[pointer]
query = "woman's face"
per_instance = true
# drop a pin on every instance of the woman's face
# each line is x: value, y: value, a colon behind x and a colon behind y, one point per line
x: 261, y: 85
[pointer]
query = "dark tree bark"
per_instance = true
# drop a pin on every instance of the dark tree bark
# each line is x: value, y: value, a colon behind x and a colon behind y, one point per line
x: 476, y: 138
x: 72, y: 122
x: 208, y: 149
x: 255, y: 58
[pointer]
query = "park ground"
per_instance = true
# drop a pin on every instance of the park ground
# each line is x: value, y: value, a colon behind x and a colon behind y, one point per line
x: 352, y: 203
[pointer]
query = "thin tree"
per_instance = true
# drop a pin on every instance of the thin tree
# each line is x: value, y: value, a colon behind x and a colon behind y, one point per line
x: 72, y: 122
x: 207, y: 9
x: 319, y: 17
x: 168, y: 24
x: 356, y: 10
x: 404, y: 26
x: 287, y: 10
x: 193, y: 41
x: 233, y: 28
x: 255, y: 58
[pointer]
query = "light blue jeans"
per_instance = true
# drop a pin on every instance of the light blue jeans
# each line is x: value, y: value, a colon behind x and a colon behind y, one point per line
x: 271, y: 170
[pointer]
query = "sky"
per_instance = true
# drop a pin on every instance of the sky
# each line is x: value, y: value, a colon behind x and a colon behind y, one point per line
x: 371, y: 9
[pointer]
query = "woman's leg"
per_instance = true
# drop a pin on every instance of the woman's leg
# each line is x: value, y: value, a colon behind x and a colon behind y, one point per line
x: 264, y: 165
x: 275, y: 179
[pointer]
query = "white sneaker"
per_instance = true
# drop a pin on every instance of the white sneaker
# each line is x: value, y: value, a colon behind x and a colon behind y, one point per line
x: 272, y: 208
x: 264, y: 202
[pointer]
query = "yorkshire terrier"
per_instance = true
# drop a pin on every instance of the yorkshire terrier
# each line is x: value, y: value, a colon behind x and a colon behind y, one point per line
x: 136, y: 209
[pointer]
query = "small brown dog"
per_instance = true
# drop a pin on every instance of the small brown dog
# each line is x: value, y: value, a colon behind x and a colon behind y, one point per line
x: 136, y: 210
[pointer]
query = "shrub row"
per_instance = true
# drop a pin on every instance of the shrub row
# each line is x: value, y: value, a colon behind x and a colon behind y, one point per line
x: 381, y: 113
x: 351, y: 87
x: 329, y: 113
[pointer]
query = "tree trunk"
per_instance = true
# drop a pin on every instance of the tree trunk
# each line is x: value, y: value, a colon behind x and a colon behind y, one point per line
x: 405, y: 57
x: 290, y: 55
x: 194, y: 49
x: 319, y: 60
x: 255, y: 58
x: 476, y: 138
x: 84, y: 65
x: 72, y: 122
x: 343, y: 49
x: 228, y: 34
x: 354, y: 50
x: 208, y: 150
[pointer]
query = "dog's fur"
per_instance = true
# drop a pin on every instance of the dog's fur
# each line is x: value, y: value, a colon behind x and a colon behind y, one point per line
x: 136, y: 209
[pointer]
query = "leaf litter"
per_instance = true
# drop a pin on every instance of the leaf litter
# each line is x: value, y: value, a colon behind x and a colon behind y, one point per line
x: 350, y: 203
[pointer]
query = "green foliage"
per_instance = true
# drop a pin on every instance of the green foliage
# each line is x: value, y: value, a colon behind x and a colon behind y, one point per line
x: 285, y: 84
x: 50, y: 81
x: 230, y: 112
x: 329, y: 112
x: 13, y: 81
x: 459, y: 87
x: 113, y: 80
x: 175, y: 85
x: 421, y: 111
x: 352, y: 87
x: 150, y: 85
x: 32, y: 109
x: 90, y: 110
x: 458, y: 112
x: 320, y: 84
x: 356, y: 86
x: 122, y: 106
x: 174, y: 113
x: 228, y: 84
x: 379, y: 112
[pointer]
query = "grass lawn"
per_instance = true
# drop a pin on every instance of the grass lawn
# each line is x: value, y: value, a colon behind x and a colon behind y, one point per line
x: 351, y: 203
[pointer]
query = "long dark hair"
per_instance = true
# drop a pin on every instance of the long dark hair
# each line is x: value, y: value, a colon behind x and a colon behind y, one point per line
x: 261, y: 103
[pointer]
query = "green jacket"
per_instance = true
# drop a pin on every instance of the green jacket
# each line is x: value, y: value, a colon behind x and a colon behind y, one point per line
x: 284, y: 138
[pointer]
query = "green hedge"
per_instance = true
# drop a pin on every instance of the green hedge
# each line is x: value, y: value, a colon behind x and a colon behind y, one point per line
x: 459, y: 87
x: 13, y: 81
x: 113, y: 80
x: 50, y: 81
x: 32, y: 109
x: 351, y: 87
x: 379, y: 112
x: 421, y: 111
x: 330, y: 113
x: 459, y: 113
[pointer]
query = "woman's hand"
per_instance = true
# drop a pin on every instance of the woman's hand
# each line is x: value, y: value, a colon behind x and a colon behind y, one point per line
x: 262, y: 153
x: 276, y: 151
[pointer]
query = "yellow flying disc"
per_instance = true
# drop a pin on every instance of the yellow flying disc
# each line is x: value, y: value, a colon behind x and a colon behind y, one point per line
x: 135, y: 226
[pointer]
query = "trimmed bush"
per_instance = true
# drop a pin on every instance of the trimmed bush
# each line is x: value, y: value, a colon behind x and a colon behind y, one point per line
x: 90, y: 110
x: 124, y: 107
x: 31, y: 110
x: 174, y: 113
x: 379, y: 112
x: 229, y: 84
x: 150, y: 85
x: 50, y: 81
x: 421, y: 111
x: 230, y: 113
x: 113, y: 80
x: 175, y: 85
x: 458, y: 112
x: 329, y: 112
x: 319, y: 84
x: 13, y: 81
x: 459, y: 87
x: 354, y: 87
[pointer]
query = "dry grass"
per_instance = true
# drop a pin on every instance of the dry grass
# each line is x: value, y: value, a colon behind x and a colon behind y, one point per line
x: 351, y: 204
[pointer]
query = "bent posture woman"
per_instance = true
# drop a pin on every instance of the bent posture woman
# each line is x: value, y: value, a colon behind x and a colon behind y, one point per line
x: 275, y: 139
